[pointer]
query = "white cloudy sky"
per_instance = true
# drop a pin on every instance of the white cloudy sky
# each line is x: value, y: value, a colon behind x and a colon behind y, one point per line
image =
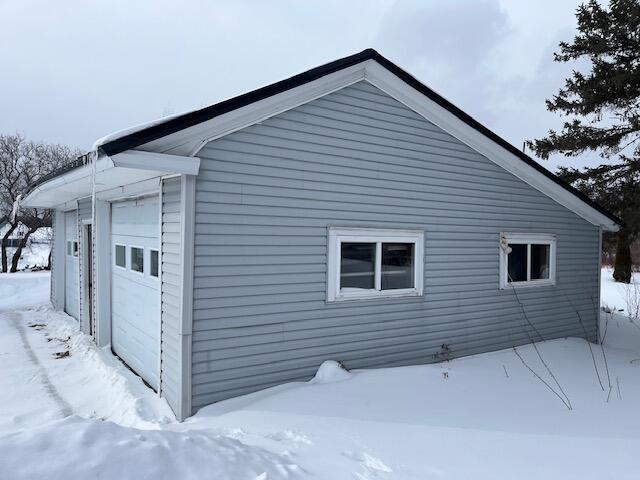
x: 74, y: 70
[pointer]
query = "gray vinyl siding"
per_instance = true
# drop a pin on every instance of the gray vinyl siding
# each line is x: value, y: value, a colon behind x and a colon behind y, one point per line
x: 171, y: 291
x: 84, y: 209
x: 84, y: 213
x: 265, y: 196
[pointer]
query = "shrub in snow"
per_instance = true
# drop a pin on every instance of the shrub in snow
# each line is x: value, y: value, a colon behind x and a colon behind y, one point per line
x: 331, y: 371
x: 632, y: 300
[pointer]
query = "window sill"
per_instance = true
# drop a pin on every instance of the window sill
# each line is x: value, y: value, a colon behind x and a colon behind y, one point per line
x: 374, y: 295
x: 530, y: 284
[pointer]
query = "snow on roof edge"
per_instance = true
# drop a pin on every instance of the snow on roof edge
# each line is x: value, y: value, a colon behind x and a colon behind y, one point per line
x: 135, y: 128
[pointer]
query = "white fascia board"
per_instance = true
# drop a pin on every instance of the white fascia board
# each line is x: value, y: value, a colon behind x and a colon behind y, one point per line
x: 140, y: 160
x: 386, y: 81
x: 190, y: 140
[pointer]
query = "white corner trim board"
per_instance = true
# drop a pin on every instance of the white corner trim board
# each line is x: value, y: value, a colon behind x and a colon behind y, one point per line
x: 187, y: 245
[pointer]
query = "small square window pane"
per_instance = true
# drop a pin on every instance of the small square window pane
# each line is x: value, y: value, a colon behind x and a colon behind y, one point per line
x: 397, y: 266
x: 120, y: 256
x: 517, y: 261
x: 357, y: 265
x: 540, y: 261
x: 137, y: 259
x: 153, y: 263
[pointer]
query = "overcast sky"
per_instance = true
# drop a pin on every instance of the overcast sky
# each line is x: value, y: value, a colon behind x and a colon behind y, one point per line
x: 75, y: 70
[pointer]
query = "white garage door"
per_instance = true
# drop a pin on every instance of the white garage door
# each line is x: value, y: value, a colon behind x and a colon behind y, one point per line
x: 135, y: 309
x: 71, y: 270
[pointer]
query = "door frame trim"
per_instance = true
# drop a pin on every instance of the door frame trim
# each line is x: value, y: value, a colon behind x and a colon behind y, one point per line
x: 66, y: 287
x: 86, y: 314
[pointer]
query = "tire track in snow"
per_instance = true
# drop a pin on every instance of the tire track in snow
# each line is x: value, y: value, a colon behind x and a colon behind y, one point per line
x: 49, y: 388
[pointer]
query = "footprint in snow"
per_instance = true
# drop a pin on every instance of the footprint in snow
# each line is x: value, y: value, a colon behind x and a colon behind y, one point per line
x: 372, y: 466
x: 235, y: 433
x: 290, y: 436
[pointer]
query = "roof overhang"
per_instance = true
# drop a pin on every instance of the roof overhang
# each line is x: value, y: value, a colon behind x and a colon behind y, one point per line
x: 185, y: 134
x: 113, y: 176
x: 395, y: 82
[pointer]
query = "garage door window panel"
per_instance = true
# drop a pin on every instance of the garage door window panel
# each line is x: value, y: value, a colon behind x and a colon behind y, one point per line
x: 153, y: 263
x: 137, y: 259
x: 120, y: 256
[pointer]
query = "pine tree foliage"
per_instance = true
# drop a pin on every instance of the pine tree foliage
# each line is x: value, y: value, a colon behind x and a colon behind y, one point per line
x: 603, y: 106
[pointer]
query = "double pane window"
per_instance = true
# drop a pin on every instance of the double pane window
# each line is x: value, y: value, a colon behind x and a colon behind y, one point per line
x: 527, y: 259
x: 367, y: 263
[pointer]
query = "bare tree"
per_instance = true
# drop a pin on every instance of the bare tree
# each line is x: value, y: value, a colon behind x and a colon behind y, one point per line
x: 23, y: 162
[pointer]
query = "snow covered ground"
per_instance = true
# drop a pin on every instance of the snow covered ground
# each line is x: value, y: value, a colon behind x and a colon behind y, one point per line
x: 613, y: 294
x: 84, y: 415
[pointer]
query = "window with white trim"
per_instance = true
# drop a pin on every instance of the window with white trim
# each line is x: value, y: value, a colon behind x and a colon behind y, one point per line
x: 137, y: 259
x: 369, y: 263
x: 120, y: 256
x: 153, y: 262
x: 527, y: 259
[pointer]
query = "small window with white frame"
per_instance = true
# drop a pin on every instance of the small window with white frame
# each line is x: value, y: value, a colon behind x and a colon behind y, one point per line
x: 527, y: 259
x: 367, y: 263
x: 136, y: 254
x: 153, y: 263
x: 120, y: 256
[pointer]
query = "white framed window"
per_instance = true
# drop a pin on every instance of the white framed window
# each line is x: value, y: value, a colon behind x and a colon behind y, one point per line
x: 75, y: 249
x: 153, y: 262
x: 120, y: 256
x: 527, y: 259
x: 366, y: 263
x: 136, y: 254
x: 69, y: 248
